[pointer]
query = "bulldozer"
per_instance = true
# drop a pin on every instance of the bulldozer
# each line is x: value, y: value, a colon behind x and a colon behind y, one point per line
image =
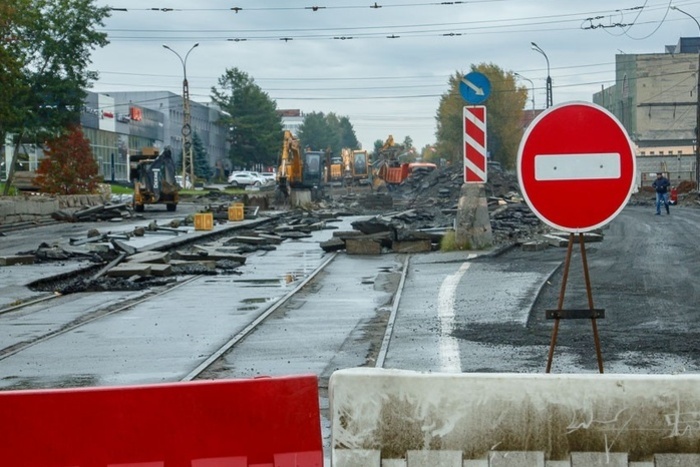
x: 153, y: 176
x: 300, y: 173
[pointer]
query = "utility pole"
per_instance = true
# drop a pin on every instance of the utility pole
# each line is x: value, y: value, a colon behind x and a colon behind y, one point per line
x: 697, y: 109
x: 537, y: 48
x: 532, y: 86
x: 187, y: 158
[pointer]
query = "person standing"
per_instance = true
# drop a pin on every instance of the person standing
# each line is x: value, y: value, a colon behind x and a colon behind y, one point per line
x: 661, y: 185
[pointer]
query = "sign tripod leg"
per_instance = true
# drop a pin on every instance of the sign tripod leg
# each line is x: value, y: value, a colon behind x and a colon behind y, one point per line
x: 560, y: 313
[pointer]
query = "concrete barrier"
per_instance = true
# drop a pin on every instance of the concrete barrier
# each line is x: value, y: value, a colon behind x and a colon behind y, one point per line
x: 33, y: 208
x: 400, y: 418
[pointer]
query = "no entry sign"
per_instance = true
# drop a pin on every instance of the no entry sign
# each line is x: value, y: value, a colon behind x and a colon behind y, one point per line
x: 576, y: 167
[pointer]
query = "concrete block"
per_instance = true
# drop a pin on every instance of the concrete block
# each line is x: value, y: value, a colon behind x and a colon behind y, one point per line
x: 357, y: 458
x: 535, y: 246
x: 17, y: 259
x: 434, y: 458
x: 159, y: 257
x: 677, y: 460
x: 599, y: 459
x: 130, y: 269
x: 641, y: 464
x: 476, y: 463
x: 412, y: 246
x: 557, y: 464
x: 362, y: 246
x: 516, y: 459
x: 161, y: 270
x: 394, y: 463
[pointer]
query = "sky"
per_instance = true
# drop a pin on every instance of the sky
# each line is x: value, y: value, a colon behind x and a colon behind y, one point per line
x: 384, y: 68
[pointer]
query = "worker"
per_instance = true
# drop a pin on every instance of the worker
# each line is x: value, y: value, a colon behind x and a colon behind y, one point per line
x: 661, y: 185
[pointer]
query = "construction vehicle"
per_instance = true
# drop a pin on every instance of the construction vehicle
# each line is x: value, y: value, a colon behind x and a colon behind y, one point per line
x: 361, y: 167
x: 299, y: 172
x: 334, y: 169
x: 153, y: 176
x: 356, y: 166
x: 389, y: 171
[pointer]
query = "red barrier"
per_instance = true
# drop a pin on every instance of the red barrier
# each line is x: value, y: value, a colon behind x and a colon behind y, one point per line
x: 266, y: 422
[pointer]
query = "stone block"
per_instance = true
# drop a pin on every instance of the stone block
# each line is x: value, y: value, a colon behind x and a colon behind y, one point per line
x: 161, y: 270
x: 158, y: 257
x: 130, y: 269
x: 677, y: 460
x: 535, y: 246
x: 17, y: 259
x: 362, y: 246
x: 516, y: 459
x: 412, y: 246
x: 356, y: 458
x: 433, y: 457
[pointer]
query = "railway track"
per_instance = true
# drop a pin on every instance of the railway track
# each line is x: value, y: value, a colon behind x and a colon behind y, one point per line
x: 43, y: 329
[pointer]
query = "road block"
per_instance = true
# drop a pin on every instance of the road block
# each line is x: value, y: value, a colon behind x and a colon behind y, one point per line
x: 266, y: 422
x: 401, y: 418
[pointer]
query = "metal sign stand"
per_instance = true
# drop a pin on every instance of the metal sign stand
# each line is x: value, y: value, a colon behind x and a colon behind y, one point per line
x: 591, y: 313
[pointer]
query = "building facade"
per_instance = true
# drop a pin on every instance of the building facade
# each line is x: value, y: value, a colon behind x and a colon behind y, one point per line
x: 205, y: 122
x: 655, y: 98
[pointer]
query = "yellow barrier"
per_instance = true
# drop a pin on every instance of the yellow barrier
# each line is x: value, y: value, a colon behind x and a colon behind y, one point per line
x: 203, y: 221
x: 235, y: 212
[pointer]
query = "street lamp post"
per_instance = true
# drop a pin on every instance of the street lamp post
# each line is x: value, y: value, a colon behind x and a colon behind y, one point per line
x: 532, y: 86
x: 187, y: 159
x: 697, y: 108
x: 536, y: 48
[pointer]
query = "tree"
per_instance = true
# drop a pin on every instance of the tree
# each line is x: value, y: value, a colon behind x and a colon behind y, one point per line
x: 49, y: 47
x: 255, y: 127
x: 202, y: 169
x: 321, y: 132
x: 13, y: 14
x: 504, y: 115
x: 348, y: 138
x: 68, y: 168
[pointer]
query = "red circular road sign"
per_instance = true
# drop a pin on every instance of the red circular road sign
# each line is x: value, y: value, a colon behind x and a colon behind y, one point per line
x: 576, y: 167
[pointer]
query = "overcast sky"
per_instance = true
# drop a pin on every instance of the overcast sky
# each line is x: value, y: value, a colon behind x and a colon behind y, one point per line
x: 383, y: 85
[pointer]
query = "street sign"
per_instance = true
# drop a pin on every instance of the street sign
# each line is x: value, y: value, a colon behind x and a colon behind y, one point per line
x: 475, y: 88
x: 576, y: 167
x: 474, y: 134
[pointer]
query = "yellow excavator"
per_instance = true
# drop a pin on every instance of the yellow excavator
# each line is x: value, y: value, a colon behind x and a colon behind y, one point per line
x: 356, y: 166
x: 300, y: 172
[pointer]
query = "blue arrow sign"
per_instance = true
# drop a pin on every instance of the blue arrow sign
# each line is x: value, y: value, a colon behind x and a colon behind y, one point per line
x: 475, y: 88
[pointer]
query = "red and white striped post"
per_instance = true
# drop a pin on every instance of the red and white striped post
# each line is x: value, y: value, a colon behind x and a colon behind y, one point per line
x: 474, y: 144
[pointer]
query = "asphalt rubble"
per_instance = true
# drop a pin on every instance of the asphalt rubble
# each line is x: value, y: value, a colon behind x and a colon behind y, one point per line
x: 410, y: 218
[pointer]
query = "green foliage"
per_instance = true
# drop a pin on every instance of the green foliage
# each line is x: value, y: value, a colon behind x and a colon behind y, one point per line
x: 46, y: 47
x: 121, y: 190
x: 255, y: 126
x: 68, y: 167
x: 320, y: 132
x: 201, y: 158
x: 504, y: 116
x: 449, y: 243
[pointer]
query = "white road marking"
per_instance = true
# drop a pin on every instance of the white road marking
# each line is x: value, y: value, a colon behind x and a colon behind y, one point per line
x: 450, y: 361
x: 585, y: 166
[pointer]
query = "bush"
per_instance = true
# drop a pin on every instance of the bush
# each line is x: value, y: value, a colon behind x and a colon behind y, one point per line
x: 68, y: 167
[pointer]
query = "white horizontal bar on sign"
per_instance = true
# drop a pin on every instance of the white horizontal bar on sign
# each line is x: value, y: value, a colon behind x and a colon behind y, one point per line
x: 584, y: 166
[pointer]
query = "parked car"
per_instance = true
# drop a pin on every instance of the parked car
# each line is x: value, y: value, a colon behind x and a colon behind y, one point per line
x: 245, y: 178
x: 186, y: 186
x: 270, y: 177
